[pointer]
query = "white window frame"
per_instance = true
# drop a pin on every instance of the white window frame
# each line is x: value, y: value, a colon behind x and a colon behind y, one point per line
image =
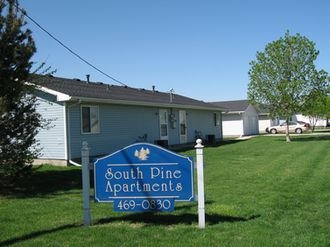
x: 94, y: 124
x: 216, y: 119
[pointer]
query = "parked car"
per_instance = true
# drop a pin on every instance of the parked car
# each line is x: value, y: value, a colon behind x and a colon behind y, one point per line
x: 293, y: 127
x: 307, y: 125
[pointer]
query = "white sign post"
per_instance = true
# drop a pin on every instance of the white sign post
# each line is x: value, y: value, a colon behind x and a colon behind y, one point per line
x: 86, y: 183
x: 200, y: 183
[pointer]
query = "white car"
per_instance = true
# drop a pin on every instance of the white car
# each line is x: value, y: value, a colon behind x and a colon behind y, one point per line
x: 293, y: 127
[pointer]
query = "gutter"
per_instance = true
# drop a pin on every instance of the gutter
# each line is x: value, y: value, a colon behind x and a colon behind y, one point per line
x: 151, y: 104
x: 234, y: 112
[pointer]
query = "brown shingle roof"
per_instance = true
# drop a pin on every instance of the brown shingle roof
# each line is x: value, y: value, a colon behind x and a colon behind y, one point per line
x: 81, y: 89
x: 234, y: 105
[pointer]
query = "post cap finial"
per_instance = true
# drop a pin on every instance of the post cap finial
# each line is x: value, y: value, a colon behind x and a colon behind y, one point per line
x: 199, y: 143
x: 85, y: 144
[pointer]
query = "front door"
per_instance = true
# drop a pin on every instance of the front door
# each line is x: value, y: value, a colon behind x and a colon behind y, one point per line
x: 183, y: 126
x: 163, y: 124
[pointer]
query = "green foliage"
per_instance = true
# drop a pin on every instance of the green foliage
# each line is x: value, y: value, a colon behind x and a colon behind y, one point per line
x: 283, y: 77
x: 328, y: 108
x: 19, y: 121
x: 316, y: 106
x: 19, y: 126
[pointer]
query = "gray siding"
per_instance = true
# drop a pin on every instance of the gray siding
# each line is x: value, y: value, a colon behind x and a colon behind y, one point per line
x: 122, y: 125
x: 119, y: 126
x: 51, y: 138
x: 202, y: 121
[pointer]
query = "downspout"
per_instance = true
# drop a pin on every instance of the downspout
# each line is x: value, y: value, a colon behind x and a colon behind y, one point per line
x: 65, y: 131
x: 74, y: 163
x: 243, y: 123
x: 68, y: 136
x: 221, y: 127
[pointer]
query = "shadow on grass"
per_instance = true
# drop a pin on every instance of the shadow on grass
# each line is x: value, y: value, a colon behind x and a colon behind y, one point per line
x: 187, y: 147
x: 166, y: 219
x: 230, y: 141
x: 36, y: 234
x: 225, y: 142
x: 45, y: 182
x: 152, y: 219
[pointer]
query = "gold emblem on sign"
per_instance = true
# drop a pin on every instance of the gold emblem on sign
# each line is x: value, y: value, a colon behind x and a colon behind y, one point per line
x: 142, y: 154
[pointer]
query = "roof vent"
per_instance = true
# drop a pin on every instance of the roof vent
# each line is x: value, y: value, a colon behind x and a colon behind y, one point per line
x: 171, y: 95
x: 87, y: 77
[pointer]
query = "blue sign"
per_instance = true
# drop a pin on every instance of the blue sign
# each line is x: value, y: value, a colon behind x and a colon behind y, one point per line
x: 144, y: 177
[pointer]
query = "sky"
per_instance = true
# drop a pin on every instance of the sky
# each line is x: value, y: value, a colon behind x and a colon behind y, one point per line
x: 199, y: 48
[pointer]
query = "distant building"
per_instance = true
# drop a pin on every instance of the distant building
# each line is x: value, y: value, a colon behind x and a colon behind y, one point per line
x: 240, y: 119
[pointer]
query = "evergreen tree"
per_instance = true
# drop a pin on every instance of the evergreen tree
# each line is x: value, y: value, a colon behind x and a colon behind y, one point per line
x: 19, y: 121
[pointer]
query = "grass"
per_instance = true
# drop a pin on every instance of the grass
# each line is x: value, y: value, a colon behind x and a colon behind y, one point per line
x: 259, y: 192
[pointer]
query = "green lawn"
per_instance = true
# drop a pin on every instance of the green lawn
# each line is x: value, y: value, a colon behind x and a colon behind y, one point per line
x: 259, y: 192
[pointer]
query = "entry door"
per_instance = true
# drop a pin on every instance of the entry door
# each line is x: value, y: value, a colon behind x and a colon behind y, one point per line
x: 163, y: 124
x: 183, y: 126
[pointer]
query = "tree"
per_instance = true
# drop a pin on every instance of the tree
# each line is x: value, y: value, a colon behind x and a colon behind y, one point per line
x: 284, y: 75
x: 19, y: 121
x: 328, y: 111
x: 326, y: 108
x: 316, y: 106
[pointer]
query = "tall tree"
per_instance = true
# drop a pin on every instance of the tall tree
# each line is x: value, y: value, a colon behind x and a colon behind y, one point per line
x: 316, y: 106
x: 328, y: 111
x: 283, y: 76
x: 19, y: 121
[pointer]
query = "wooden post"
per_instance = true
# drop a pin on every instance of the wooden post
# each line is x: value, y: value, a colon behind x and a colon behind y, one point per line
x: 200, y: 183
x: 85, y: 183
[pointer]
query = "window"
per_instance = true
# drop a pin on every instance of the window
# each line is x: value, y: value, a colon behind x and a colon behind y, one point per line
x: 216, y: 117
x: 90, y: 119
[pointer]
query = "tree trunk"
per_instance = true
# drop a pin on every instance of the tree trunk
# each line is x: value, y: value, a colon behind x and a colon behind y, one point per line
x: 287, y: 134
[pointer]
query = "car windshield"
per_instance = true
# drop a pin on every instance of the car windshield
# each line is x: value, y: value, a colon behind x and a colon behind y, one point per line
x: 290, y: 123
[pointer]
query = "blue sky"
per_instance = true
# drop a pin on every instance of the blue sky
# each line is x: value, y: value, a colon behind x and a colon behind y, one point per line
x: 200, y: 48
